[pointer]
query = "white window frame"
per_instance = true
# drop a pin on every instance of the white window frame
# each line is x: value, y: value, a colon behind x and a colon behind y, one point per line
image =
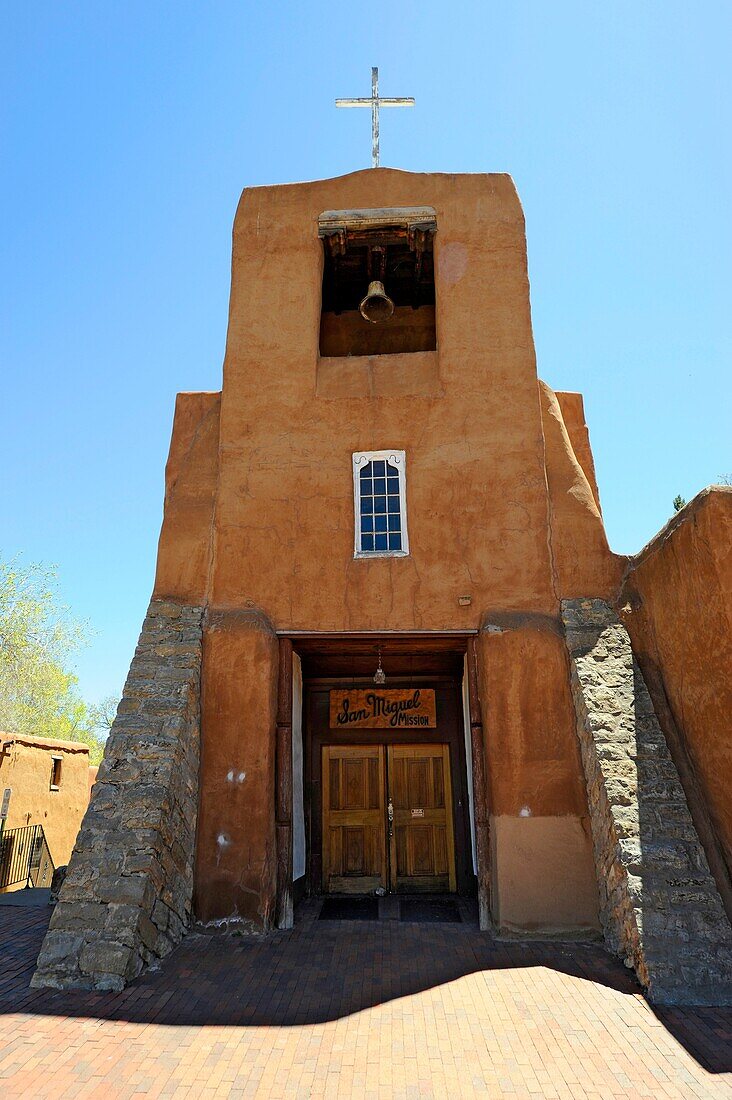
x: 398, y: 459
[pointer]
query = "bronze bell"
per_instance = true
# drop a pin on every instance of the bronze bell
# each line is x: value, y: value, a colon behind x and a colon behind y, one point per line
x: 377, y: 306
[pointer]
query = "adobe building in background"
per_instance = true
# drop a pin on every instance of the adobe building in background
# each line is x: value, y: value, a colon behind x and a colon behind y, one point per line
x: 389, y: 649
x: 45, y: 784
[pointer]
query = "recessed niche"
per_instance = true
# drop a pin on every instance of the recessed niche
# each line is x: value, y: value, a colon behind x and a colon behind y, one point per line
x: 364, y: 247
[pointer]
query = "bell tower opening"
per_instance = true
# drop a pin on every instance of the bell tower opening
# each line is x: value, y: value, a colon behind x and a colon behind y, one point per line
x: 378, y: 281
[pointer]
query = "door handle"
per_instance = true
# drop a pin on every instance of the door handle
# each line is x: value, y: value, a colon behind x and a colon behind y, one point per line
x: 390, y: 815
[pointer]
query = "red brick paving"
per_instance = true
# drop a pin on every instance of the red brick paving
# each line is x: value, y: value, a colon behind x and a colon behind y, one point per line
x: 377, y: 1010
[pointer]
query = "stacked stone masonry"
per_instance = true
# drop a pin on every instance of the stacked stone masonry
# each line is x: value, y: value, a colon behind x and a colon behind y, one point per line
x: 659, y: 905
x: 126, y: 899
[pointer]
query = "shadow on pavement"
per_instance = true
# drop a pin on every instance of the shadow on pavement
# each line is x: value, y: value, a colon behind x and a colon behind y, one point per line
x: 322, y: 971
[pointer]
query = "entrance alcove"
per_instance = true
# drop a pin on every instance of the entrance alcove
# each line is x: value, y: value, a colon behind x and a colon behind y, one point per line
x: 435, y: 840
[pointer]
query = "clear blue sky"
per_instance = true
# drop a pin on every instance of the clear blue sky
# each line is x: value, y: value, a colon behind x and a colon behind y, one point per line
x: 129, y: 130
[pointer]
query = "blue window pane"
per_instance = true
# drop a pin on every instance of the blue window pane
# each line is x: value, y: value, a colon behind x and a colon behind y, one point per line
x: 380, y: 507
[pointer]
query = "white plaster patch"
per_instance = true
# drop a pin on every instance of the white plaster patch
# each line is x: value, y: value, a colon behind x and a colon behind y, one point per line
x: 524, y: 812
x: 223, y: 840
x: 235, y: 777
x: 237, y: 924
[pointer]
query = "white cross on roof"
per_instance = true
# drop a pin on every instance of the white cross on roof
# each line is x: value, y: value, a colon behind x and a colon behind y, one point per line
x: 374, y: 102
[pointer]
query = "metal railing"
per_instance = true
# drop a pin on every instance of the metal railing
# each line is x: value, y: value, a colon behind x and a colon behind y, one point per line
x: 24, y: 857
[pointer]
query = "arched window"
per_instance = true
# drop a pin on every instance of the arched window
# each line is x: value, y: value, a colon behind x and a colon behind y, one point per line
x: 380, y: 498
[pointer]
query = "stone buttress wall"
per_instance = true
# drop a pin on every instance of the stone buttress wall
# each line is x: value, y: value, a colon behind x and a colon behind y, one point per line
x: 126, y: 900
x: 677, y: 606
x: 659, y: 904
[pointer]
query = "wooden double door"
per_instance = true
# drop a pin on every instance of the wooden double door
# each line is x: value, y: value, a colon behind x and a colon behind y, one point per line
x: 387, y: 819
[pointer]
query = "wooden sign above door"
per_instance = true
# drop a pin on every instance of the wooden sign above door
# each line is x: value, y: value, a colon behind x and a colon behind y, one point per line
x: 383, y: 708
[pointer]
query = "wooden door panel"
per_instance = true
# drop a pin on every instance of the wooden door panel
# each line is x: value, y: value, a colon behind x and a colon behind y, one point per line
x: 398, y: 783
x: 375, y: 778
x: 442, y: 861
x: 333, y: 855
x: 420, y: 850
x: 418, y: 782
x: 422, y: 846
x: 333, y: 771
x: 355, y: 781
x: 354, y: 856
x: 354, y: 844
x: 399, y: 853
x: 438, y: 784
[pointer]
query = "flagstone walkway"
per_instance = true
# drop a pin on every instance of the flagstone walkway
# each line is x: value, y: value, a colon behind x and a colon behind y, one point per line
x: 342, y: 1009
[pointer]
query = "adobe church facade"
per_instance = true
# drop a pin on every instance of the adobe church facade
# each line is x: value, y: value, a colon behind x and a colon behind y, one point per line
x: 389, y: 649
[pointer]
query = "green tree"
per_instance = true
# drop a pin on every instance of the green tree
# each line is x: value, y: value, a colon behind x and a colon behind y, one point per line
x: 102, y: 714
x: 38, y: 636
x: 679, y: 503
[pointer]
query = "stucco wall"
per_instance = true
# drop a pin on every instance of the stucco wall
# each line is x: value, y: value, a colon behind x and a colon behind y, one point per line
x: 581, y: 559
x: 25, y: 767
x: 191, y: 474
x: 677, y: 601
x: 572, y: 407
x: 235, y: 859
x: 502, y: 506
x: 275, y: 469
x: 542, y: 868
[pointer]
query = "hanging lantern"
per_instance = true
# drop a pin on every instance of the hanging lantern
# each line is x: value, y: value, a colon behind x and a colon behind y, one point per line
x: 379, y: 675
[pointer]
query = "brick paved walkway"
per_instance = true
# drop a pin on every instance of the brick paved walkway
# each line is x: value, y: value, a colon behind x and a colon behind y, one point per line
x: 373, y: 1010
